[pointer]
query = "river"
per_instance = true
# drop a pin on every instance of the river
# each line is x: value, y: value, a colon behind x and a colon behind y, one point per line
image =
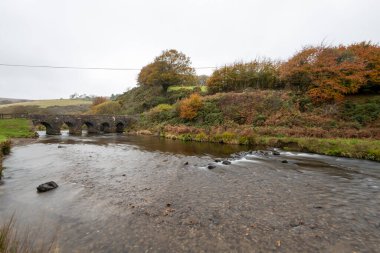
x: 137, y: 194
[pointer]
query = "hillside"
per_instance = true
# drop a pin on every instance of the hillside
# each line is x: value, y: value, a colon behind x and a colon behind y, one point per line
x: 4, y: 101
x: 277, y: 118
x: 52, y: 106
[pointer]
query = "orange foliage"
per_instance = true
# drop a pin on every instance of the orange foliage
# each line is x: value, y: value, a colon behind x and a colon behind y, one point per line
x: 189, y: 107
x: 330, y: 73
x: 98, y: 100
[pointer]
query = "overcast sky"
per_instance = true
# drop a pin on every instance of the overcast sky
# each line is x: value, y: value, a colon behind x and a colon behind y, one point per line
x: 129, y: 34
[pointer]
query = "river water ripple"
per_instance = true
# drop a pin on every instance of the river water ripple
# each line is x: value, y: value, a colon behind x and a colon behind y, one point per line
x: 135, y: 194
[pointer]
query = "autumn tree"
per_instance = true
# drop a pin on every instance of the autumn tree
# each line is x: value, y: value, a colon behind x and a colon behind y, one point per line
x: 169, y: 68
x: 330, y: 73
x: 260, y: 74
x: 189, y: 107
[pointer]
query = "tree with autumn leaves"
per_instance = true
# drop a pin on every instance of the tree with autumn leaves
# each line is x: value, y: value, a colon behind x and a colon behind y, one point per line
x: 171, y: 68
x: 259, y: 74
x: 330, y: 73
x: 323, y: 73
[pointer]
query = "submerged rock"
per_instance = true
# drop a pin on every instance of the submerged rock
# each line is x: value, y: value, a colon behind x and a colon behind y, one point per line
x: 47, y: 186
x: 210, y: 167
x: 226, y: 162
x: 284, y: 161
x: 275, y: 152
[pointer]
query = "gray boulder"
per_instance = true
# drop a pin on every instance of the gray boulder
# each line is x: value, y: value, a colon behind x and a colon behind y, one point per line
x: 47, y: 186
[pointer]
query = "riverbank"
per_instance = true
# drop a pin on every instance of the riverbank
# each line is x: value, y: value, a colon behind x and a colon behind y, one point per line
x: 368, y: 149
x: 5, y: 148
x: 12, y: 129
x: 137, y: 193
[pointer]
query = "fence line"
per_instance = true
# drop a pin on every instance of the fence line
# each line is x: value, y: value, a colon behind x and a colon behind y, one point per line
x: 13, y: 116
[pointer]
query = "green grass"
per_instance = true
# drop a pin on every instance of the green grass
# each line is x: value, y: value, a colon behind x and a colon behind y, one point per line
x: 15, y: 128
x: 352, y: 148
x: 50, y: 102
x: 176, y: 88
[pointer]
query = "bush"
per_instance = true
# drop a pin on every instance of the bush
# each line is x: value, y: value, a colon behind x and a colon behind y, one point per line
x: 5, y: 147
x: 363, y: 113
x: 98, y: 100
x: 189, y: 107
x: 161, y: 113
x: 210, y: 114
x: 110, y: 107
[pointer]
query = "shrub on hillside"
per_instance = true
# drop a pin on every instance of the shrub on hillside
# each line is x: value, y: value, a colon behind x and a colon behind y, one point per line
x: 330, y: 73
x: 110, y: 107
x: 210, y: 114
x: 363, y: 113
x: 98, y: 100
x: 189, y: 107
x: 161, y: 113
x: 239, y: 76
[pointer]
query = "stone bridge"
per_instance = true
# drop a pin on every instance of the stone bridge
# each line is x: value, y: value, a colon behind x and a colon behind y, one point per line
x: 95, y: 123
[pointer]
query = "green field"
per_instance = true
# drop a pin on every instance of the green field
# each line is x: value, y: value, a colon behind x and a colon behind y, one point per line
x: 15, y: 128
x: 50, y: 102
x: 176, y: 88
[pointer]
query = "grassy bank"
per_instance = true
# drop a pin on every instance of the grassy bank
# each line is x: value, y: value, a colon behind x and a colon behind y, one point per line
x: 15, y: 128
x: 352, y: 148
x: 12, y: 128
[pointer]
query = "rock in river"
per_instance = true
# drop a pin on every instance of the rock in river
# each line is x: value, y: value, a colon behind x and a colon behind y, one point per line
x: 226, y: 162
x: 210, y: 167
x: 47, y: 186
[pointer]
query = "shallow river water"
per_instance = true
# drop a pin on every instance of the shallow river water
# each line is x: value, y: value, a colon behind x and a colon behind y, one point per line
x: 135, y: 194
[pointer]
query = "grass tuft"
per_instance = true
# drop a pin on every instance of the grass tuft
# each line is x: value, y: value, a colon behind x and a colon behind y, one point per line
x: 12, y: 241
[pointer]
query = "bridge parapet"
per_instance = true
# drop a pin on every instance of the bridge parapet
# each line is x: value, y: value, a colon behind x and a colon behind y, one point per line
x: 95, y: 123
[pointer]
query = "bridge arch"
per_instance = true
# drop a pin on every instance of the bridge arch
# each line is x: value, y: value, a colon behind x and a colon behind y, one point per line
x: 120, y: 127
x: 74, y: 127
x: 105, y: 127
x: 50, y: 128
x: 91, y: 127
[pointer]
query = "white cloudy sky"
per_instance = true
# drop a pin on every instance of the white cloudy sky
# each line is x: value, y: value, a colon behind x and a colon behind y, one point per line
x: 129, y: 34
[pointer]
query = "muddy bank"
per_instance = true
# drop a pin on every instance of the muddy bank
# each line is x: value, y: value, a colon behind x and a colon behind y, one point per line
x: 144, y: 194
x: 23, y: 141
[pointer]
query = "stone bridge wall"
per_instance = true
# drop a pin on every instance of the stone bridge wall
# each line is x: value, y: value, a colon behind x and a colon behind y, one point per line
x: 95, y: 123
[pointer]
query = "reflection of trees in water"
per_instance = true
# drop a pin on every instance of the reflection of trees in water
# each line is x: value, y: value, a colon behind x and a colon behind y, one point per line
x: 150, y: 143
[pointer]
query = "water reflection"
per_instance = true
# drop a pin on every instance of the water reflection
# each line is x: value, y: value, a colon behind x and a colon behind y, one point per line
x: 148, y: 143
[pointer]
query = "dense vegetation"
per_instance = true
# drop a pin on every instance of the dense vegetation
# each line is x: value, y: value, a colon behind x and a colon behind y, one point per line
x: 324, y: 93
x: 322, y: 73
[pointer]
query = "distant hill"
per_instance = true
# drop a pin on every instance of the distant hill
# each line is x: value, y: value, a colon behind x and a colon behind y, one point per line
x: 51, y: 106
x: 48, y: 103
x: 4, y: 101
